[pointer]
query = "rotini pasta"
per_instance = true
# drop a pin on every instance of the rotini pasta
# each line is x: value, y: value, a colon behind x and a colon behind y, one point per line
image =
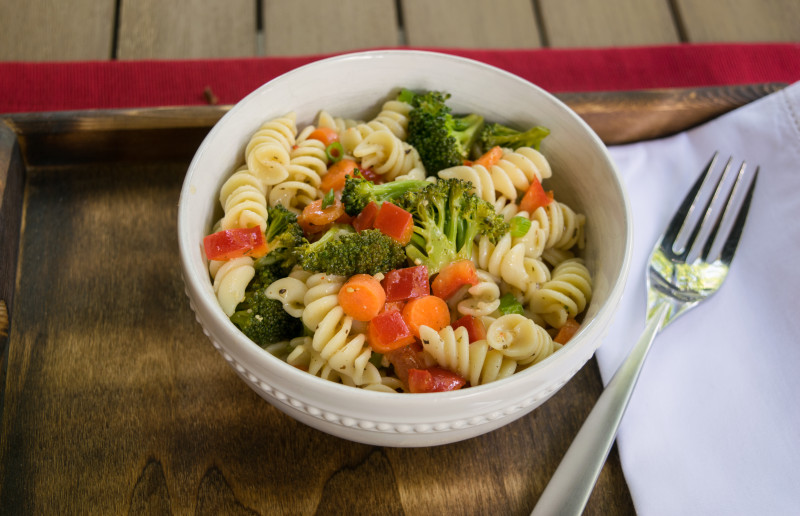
x: 230, y: 281
x: 565, y: 295
x: 393, y: 117
x: 243, y: 202
x: 387, y: 155
x: 268, y: 152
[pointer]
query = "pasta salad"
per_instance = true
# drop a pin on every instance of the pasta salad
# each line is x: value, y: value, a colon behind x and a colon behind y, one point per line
x: 417, y: 251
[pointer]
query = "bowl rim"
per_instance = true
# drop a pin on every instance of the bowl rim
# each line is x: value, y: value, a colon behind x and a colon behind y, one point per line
x: 202, y: 304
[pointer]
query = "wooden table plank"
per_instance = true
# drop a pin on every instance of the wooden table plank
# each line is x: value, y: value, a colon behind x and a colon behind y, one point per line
x: 740, y: 20
x: 183, y: 29
x: 588, y: 23
x: 52, y: 30
x: 470, y: 23
x: 321, y: 26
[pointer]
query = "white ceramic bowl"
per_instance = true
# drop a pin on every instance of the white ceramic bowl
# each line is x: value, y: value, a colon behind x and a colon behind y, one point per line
x: 354, y: 86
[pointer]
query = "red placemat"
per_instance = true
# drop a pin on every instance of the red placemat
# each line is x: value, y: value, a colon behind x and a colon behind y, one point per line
x: 125, y: 84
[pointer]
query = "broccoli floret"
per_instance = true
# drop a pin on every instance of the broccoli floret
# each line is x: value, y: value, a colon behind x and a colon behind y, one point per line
x: 283, y: 229
x: 358, y: 192
x: 442, y: 139
x: 264, y: 320
x: 344, y: 252
x: 497, y: 135
x: 447, y: 219
x: 284, y: 236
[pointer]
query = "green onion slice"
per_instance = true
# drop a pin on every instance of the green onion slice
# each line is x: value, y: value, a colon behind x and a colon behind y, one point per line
x: 329, y: 199
x: 334, y: 152
x: 519, y: 226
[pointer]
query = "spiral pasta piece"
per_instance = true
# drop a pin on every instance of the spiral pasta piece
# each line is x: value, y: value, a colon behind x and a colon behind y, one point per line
x: 291, y: 293
x: 483, y: 298
x: 508, y: 262
x: 387, y: 155
x: 563, y: 227
x: 267, y: 153
x: 325, y: 119
x: 305, y: 357
x: 518, y: 337
x: 347, y: 355
x: 320, y: 298
x: 230, y: 281
x: 393, y: 117
x: 477, y: 362
x: 565, y: 295
x: 243, y: 201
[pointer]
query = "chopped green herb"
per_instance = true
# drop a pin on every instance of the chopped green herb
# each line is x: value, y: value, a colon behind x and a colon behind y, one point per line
x: 519, y: 226
x: 329, y: 199
x: 510, y: 305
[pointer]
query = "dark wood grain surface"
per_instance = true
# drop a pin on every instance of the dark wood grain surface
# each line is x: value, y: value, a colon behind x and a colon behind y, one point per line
x: 115, y: 402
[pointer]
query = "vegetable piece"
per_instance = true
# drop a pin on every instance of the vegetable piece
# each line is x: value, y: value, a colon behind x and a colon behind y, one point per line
x: 535, y: 197
x: 490, y: 157
x: 358, y: 192
x: 264, y: 320
x: 566, y: 332
x: 519, y: 226
x: 434, y: 379
x: 452, y: 277
x: 362, y: 297
x: 342, y: 251
x: 404, y: 359
x: 407, y: 283
x: 366, y: 219
x: 388, y: 331
x: 497, y: 135
x: 430, y: 311
x: 474, y: 326
x: 510, y: 305
x: 326, y: 135
x: 442, y: 139
x: 334, y: 152
x: 316, y: 219
x: 328, y: 199
x: 447, y: 219
x: 393, y: 305
x: 395, y: 222
x: 233, y: 243
x: 335, y: 177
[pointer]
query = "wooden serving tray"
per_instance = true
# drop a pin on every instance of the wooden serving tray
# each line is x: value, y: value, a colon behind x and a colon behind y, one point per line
x: 113, y: 401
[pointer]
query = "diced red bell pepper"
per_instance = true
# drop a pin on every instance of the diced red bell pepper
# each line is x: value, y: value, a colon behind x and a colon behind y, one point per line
x: 434, y: 379
x: 407, y: 283
x: 388, y: 331
x: 233, y: 243
x: 395, y: 222
x: 475, y: 327
x: 366, y: 219
x: 406, y: 358
x: 535, y: 197
x: 453, y: 276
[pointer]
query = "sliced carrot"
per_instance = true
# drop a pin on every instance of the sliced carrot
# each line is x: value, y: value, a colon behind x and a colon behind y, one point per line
x: 490, y: 158
x: 430, y: 311
x: 453, y: 276
x: 335, y: 177
x: 567, y: 331
x: 316, y: 219
x: 326, y: 135
x: 362, y: 297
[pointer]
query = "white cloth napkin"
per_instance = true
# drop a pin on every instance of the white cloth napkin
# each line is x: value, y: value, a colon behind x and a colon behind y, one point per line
x: 713, y: 427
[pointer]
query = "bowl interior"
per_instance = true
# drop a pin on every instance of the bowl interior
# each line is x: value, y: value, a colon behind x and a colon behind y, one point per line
x: 354, y: 86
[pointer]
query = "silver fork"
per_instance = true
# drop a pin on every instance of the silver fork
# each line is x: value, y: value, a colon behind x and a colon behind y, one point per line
x: 688, y: 264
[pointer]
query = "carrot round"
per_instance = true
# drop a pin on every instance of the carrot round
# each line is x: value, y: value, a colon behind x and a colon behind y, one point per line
x: 326, y: 135
x: 362, y: 297
x: 490, y: 158
x: 430, y: 311
x: 337, y: 172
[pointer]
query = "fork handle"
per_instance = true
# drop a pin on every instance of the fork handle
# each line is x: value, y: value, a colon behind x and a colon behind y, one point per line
x: 572, y: 483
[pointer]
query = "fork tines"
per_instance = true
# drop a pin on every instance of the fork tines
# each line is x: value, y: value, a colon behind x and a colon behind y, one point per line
x: 717, y: 235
